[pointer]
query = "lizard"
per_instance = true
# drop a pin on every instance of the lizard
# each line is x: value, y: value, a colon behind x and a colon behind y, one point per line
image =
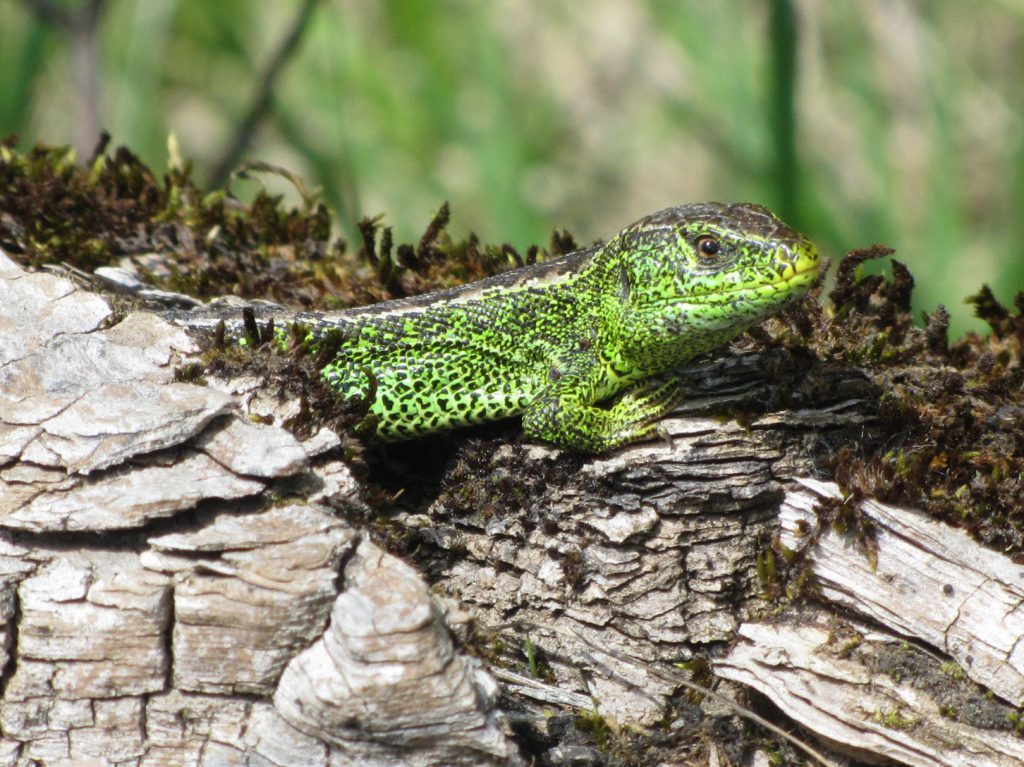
x: 578, y: 344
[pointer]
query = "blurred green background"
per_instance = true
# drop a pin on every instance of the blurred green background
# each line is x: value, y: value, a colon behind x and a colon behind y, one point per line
x: 858, y: 122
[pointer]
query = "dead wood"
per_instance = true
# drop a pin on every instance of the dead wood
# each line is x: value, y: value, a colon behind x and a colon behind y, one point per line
x: 183, y: 581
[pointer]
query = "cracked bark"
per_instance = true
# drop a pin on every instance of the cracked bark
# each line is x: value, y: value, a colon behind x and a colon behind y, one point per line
x: 180, y: 585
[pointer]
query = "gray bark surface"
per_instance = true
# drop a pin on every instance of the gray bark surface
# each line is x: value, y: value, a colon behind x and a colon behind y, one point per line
x: 927, y: 584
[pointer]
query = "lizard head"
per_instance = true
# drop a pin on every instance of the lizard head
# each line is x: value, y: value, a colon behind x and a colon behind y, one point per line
x: 692, y: 277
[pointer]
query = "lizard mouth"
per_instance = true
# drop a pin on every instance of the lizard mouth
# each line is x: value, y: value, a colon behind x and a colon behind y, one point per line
x: 801, y: 267
x: 801, y: 274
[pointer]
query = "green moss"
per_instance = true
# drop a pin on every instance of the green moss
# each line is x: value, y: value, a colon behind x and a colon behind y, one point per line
x: 601, y: 731
x: 952, y: 670
x: 894, y: 719
x: 1016, y: 721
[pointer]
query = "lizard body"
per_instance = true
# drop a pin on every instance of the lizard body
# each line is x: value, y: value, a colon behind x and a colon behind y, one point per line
x: 554, y: 341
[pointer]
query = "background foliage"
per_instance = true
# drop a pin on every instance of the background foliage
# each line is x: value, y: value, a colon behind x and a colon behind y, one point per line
x: 876, y: 121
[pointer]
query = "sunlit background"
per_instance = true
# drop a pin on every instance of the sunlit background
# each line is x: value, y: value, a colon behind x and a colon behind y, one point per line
x: 858, y: 122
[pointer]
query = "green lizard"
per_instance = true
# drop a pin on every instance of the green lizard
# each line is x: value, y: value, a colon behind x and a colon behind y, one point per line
x: 556, y: 342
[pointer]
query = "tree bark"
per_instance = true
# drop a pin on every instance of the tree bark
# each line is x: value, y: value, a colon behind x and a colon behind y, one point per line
x: 183, y: 581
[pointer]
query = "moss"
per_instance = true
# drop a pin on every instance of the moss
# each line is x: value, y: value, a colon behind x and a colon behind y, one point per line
x: 952, y: 670
x: 958, y: 698
x: 950, y: 432
x: 768, y: 571
x: 209, y: 243
x: 1016, y: 722
x: 600, y: 729
x: 894, y: 719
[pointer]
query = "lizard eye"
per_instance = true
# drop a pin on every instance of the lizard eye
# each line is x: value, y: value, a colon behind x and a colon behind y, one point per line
x: 708, y: 246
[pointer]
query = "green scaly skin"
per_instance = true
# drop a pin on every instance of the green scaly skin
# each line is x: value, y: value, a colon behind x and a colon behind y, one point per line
x: 554, y: 342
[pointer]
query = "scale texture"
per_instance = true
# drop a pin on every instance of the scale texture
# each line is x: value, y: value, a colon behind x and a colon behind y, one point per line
x: 569, y: 344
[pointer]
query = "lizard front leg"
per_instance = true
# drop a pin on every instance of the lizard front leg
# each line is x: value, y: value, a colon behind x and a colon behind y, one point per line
x: 565, y: 414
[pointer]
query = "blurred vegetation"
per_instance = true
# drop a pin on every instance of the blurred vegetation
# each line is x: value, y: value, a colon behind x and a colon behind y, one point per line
x: 878, y: 121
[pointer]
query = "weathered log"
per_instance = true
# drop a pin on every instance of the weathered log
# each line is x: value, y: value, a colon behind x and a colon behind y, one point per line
x: 137, y: 642
x: 851, y: 678
x: 183, y: 583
